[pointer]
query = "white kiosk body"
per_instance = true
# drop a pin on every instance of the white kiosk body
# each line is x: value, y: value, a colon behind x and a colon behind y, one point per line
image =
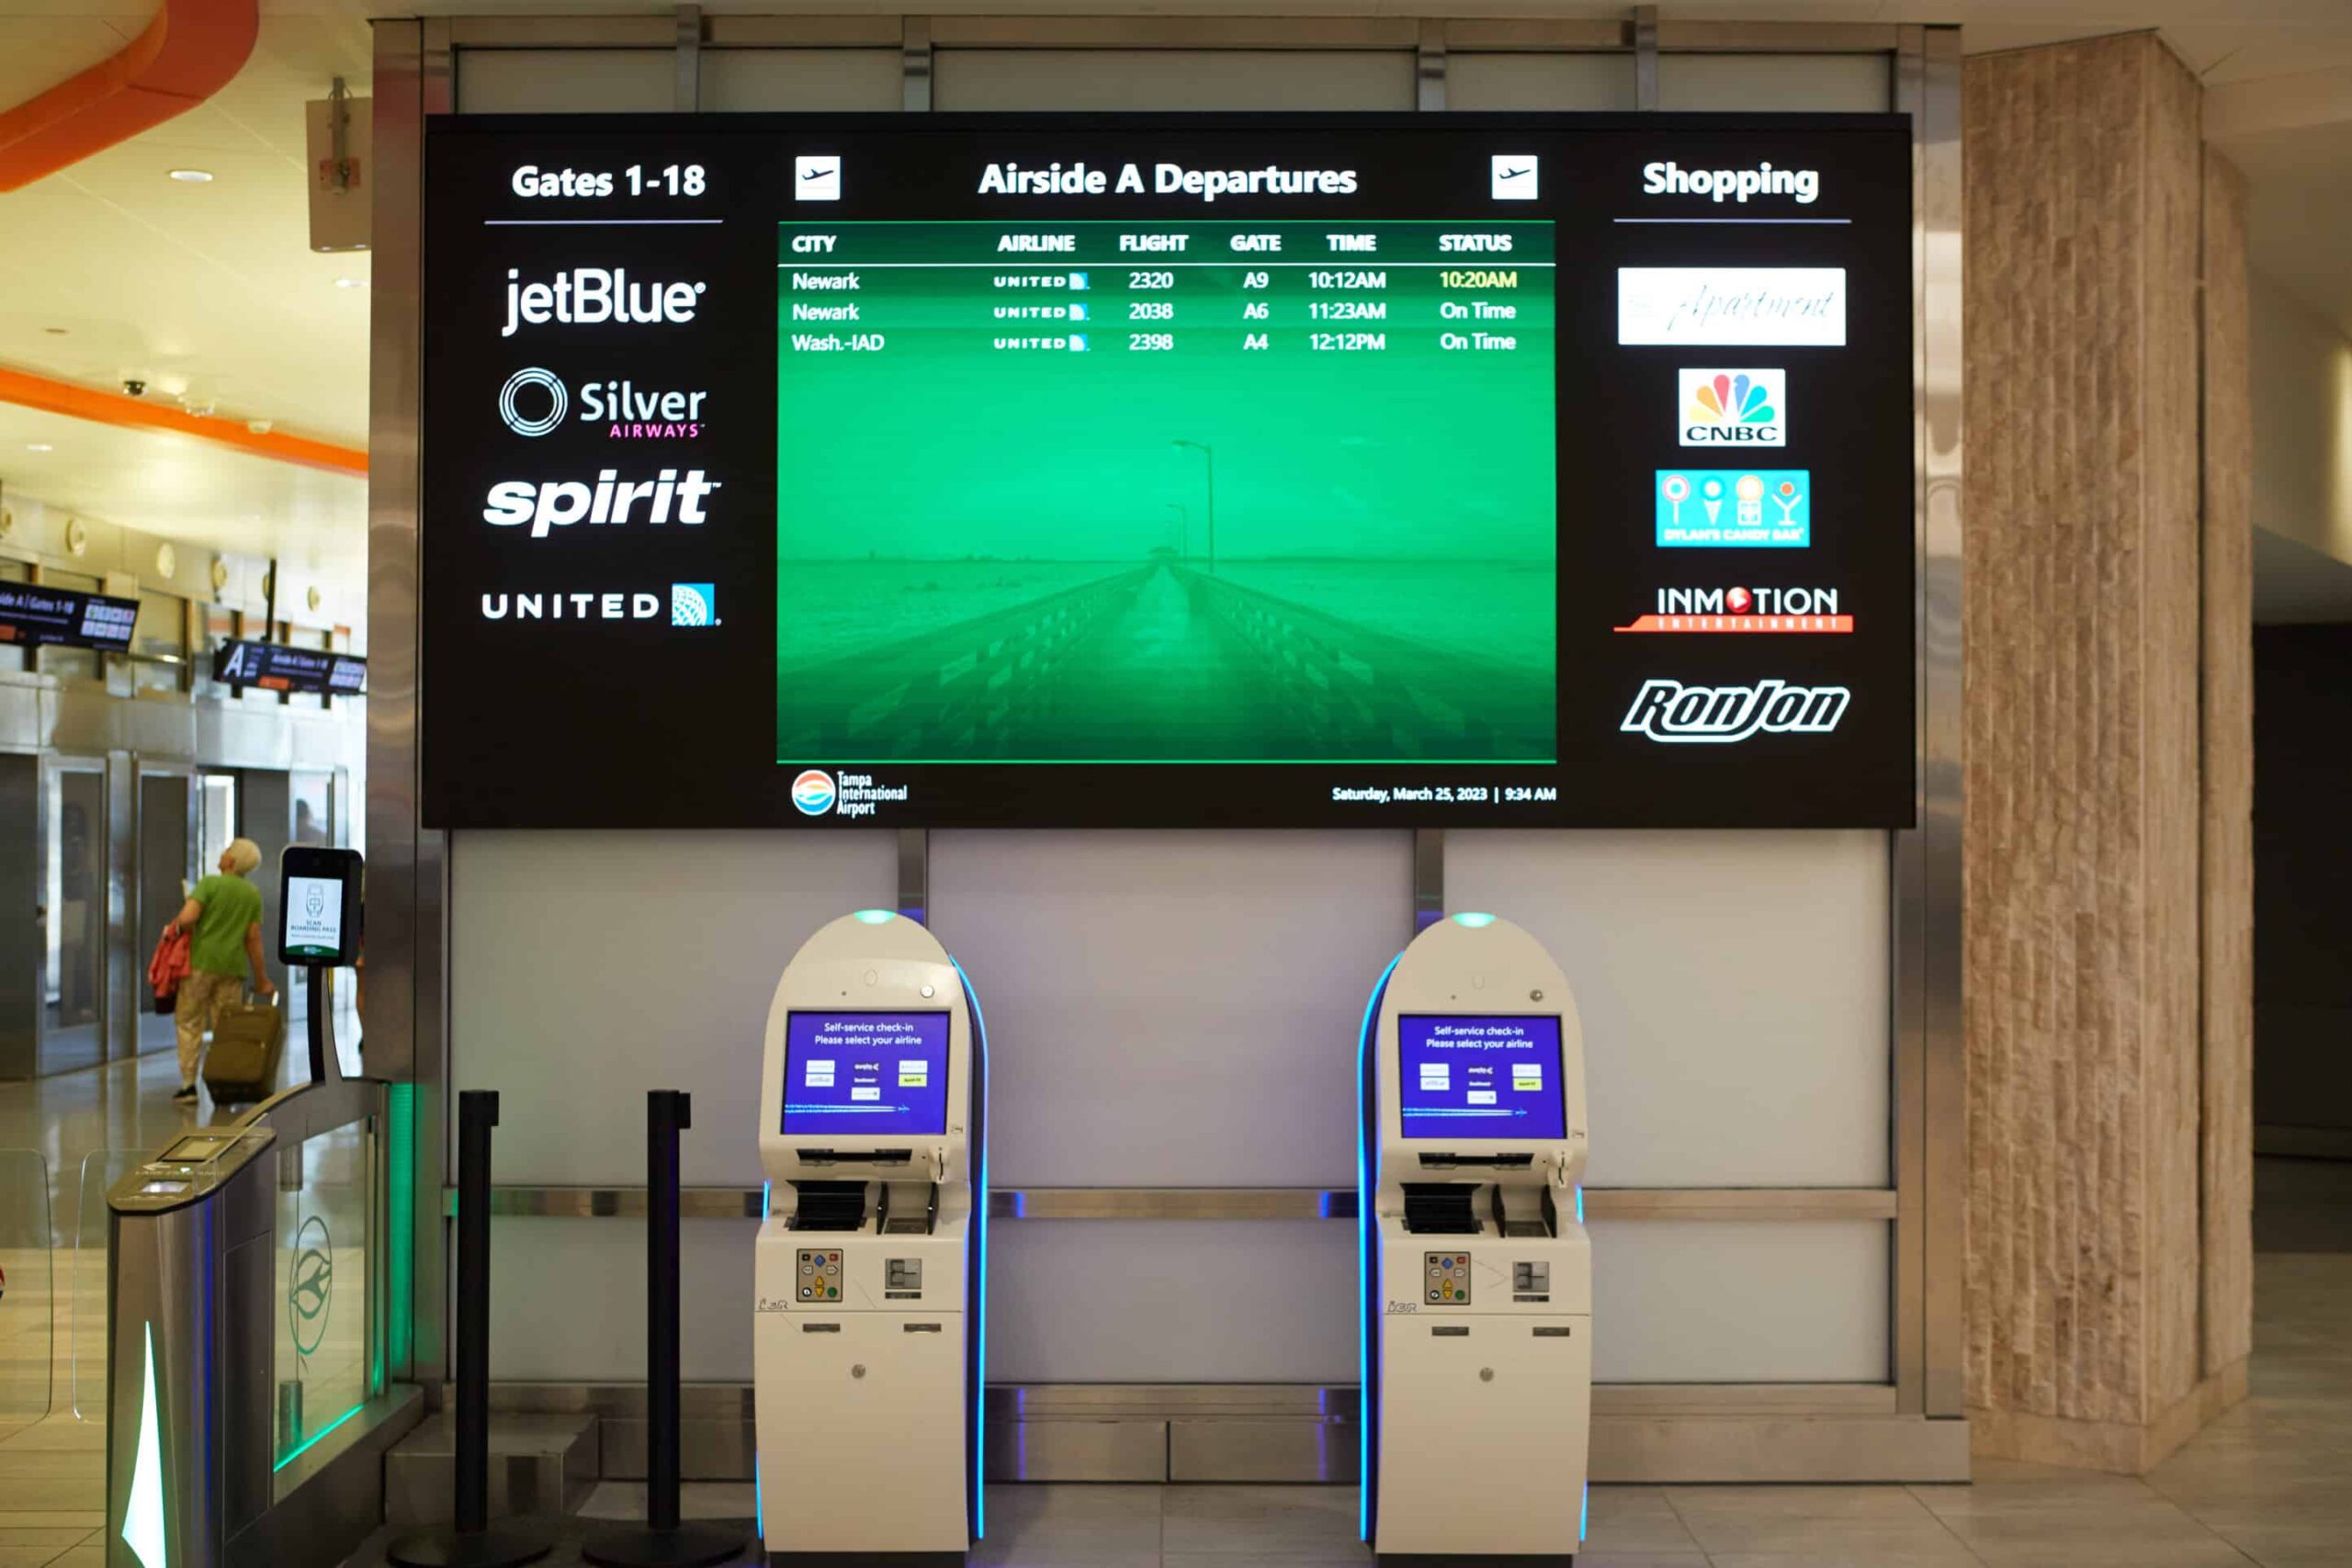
x: 1478, y: 1275
x: 870, y: 1324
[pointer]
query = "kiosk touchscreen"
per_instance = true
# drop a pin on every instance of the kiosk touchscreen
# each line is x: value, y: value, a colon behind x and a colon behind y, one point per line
x: 1476, y: 1274
x: 870, y: 1275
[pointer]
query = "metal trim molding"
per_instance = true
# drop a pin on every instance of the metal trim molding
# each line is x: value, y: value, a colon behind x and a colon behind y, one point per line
x: 1152, y: 1203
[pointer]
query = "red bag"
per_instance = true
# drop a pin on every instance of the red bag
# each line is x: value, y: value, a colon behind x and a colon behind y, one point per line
x: 168, y: 968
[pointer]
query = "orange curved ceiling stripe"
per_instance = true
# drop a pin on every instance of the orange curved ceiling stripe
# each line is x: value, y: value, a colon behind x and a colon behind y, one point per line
x: 137, y: 413
x: 187, y: 54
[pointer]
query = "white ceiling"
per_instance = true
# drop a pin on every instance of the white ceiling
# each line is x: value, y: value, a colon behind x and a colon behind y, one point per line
x: 209, y: 292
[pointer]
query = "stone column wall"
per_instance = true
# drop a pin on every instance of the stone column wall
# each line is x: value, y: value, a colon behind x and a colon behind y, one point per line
x: 2107, y: 1257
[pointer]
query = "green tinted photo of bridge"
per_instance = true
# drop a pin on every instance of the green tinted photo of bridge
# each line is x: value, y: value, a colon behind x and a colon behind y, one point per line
x: 1231, y: 527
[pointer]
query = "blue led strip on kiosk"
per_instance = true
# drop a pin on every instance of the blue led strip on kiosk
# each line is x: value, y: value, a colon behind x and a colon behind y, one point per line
x: 979, y: 1331
x: 1367, y: 1238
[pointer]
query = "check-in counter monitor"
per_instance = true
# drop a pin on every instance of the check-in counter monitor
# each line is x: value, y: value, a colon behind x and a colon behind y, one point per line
x: 870, y: 1269
x: 1476, y: 1273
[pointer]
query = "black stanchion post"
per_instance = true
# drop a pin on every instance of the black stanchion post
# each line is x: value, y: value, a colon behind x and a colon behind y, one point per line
x: 662, y: 1540
x: 473, y: 1541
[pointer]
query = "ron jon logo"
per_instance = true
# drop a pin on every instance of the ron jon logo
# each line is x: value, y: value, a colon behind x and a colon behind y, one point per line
x: 1671, y: 712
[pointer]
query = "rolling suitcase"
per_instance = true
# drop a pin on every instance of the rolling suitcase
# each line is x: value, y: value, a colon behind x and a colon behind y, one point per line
x: 248, y: 1047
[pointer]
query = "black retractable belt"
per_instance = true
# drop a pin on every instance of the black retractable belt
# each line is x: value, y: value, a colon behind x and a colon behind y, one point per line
x: 473, y: 1541
x: 662, y: 1540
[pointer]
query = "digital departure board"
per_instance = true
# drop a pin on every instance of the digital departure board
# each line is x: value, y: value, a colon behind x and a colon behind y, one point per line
x: 66, y: 617
x: 275, y: 667
x: 1166, y: 471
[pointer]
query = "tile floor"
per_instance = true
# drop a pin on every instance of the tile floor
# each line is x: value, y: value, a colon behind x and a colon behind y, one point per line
x: 2268, y: 1484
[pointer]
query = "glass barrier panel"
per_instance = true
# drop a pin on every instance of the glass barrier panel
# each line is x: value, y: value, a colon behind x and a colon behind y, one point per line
x: 27, y: 1292
x: 325, y: 1340
x: 85, y: 1345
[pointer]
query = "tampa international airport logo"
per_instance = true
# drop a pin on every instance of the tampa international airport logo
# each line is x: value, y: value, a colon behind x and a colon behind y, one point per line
x: 310, y: 1290
x: 813, y: 791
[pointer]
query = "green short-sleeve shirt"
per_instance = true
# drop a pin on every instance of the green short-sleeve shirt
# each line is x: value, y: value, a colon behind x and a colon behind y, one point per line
x: 232, y: 905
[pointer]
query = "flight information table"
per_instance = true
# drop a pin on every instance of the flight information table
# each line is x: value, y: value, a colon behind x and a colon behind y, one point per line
x: 1434, y: 288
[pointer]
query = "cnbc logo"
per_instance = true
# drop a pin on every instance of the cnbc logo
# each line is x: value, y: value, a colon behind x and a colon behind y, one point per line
x: 1734, y: 408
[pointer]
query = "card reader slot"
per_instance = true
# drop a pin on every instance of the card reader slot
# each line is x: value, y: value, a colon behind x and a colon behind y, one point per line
x: 1441, y: 1208
x: 1446, y: 1161
x: 829, y: 1206
x: 854, y: 1156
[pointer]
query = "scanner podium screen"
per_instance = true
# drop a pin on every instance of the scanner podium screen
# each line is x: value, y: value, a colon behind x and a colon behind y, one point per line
x: 865, y: 1074
x: 1480, y: 1078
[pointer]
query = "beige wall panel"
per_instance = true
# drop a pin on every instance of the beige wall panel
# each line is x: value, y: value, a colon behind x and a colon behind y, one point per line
x: 567, y: 81
x: 1171, y: 79
x: 1807, y: 84
x: 2228, y: 1152
x: 1539, y: 81
x: 738, y: 80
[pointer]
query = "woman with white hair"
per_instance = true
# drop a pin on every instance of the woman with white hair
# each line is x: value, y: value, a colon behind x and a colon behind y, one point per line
x: 223, y: 918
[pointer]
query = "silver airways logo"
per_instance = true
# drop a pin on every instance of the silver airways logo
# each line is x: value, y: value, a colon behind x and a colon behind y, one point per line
x: 1671, y: 712
x: 533, y: 402
x: 558, y: 504
x: 548, y: 388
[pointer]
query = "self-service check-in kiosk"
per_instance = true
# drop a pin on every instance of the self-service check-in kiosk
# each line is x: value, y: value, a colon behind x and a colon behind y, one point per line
x: 870, y: 1271
x: 1476, y: 1273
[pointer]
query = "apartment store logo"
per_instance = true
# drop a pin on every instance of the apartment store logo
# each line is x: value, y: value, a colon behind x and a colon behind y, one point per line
x: 533, y: 402
x: 1731, y: 305
x: 1744, y: 610
x: 1734, y: 408
x: 1674, y: 713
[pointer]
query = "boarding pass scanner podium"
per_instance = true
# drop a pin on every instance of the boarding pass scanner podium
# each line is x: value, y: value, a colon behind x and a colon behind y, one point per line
x: 1476, y: 1274
x: 868, y: 1330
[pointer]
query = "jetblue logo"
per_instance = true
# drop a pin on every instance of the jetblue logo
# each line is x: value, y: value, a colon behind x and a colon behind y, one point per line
x: 694, y: 604
x: 813, y: 791
x: 591, y: 296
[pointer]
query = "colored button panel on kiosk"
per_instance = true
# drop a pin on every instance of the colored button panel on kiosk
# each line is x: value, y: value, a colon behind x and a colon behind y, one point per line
x: 821, y: 1275
x: 1449, y: 1279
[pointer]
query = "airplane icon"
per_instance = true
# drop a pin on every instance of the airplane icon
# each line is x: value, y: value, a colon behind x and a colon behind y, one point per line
x: 817, y: 179
x: 1515, y: 176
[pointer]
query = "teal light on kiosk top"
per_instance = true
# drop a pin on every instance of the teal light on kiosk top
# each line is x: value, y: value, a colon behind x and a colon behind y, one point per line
x: 1474, y: 920
x: 876, y: 917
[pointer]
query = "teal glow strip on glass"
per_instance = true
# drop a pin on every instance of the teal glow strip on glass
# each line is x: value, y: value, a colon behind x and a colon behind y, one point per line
x: 399, y: 1349
x: 143, y: 1513
x: 315, y: 1441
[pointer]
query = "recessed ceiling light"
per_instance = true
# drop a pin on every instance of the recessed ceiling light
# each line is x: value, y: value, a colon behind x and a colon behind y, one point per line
x: 351, y: 283
x: 193, y: 176
x: 38, y: 446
